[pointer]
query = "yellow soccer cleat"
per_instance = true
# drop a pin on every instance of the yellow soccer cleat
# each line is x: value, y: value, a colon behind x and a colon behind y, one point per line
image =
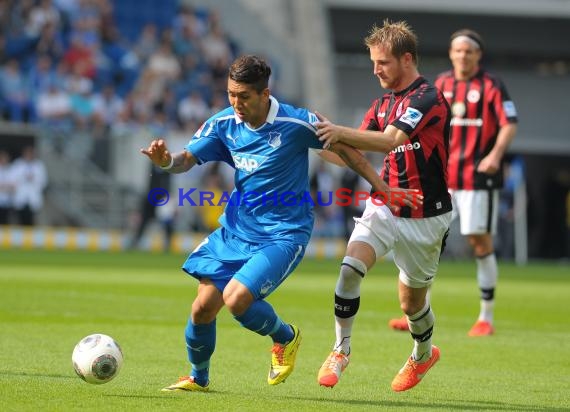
x: 283, y: 358
x: 186, y: 384
x: 413, y: 372
x: 334, y: 365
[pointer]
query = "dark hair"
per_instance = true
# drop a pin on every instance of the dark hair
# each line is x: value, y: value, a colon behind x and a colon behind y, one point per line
x: 472, y: 34
x: 251, y: 70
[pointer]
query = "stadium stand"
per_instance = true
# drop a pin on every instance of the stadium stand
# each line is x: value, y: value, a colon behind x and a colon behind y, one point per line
x: 89, y: 80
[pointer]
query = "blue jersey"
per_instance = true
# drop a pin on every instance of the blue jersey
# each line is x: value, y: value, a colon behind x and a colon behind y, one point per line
x: 271, y: 196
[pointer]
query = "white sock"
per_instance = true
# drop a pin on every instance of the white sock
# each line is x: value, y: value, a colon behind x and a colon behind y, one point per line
x: 343, y: 329
x: 421, y: 328
x: 487, y: 274
x: 348, y: 290
x: 486, y: 312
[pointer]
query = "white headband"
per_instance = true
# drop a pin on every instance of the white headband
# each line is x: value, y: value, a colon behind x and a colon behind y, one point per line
x: 468, y: 40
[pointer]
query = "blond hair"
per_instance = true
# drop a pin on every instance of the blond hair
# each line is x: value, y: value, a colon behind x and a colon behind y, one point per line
x: 397, y: 37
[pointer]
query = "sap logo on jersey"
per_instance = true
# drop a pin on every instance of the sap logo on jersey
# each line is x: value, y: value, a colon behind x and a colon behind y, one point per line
x: 411, y: 117
x: 247, y: 162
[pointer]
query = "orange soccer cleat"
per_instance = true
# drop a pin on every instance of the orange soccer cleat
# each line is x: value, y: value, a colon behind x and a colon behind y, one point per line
x: 481, y: 328
x: 413, y: 372
x: 399, y: 323
x: 334, y: 365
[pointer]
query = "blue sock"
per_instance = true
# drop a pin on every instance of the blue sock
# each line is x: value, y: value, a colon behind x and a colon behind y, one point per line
x: 200, y: 344
x: 262, y: 319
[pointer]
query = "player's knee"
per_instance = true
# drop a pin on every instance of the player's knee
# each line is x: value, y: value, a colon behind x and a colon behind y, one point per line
x: 352, y: 271
x: 237, y: 300
x: 203, y: 312
x: 412, y: 307
x: 482, y: 245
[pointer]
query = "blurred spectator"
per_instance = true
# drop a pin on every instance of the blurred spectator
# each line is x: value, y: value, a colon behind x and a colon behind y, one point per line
x: 82, y: 108
x: 107, y: 106
x: 86, y: 22
x: 50, y: 42
x: 195, y: 76
x: 215, y: 47
x: 77, y: 81
x: 158, y: 179
x: 163, y: 68
x: 163, y: 63
x: 30, y: 180
x: 188, y: 18
x: 169, y: 106
x: 147, y: 43
x: 42, y: 14
x: 193, y: 108
x: 116, y: 62
x: 19, y: 16
x: 54, y: 108
x: 80, y: 58
x: 15, y: 90
x: 6, y: 187
x: 187, y: 42
x: 41, y: 75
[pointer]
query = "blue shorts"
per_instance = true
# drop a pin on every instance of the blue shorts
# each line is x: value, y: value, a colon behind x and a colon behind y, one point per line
x: 261, y: 267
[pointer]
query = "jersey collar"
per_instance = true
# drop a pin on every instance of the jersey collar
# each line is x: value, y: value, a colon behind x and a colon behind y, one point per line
x: 419, y: 80
x: 271, y: 115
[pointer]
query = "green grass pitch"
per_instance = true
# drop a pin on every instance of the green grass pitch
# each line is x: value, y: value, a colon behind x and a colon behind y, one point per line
x: 50, y: 300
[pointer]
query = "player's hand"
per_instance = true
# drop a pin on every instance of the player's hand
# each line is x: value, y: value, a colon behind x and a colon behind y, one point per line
x: 395, y: 199
x: 490, y: 164
x: 158, y: 153
x: 327, y: 131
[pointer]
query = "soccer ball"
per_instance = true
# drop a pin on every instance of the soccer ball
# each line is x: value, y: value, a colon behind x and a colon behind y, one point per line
x: 97, y: 358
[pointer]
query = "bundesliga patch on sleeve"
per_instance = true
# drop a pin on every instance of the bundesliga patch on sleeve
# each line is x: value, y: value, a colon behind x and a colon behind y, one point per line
x: 198, y: 133
x: 509, y: 108
x: 411, y: 117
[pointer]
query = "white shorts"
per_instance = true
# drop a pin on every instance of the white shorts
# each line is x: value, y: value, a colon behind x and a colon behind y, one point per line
x: 416, y: 243
x: 478, y: 210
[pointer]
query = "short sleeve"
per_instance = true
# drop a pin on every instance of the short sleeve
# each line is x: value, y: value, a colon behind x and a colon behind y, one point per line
x: 206, y: 146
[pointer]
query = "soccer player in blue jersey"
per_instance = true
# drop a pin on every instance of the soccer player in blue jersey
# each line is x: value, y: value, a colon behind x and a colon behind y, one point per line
x: 267, y: 221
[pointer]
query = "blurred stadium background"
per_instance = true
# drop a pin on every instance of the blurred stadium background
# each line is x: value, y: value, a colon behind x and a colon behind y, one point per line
x: 89, y: 82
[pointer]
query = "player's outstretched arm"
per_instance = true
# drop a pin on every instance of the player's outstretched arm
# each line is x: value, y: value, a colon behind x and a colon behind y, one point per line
x: 368, y: 140
x: 159, y: 154
x: 357, y: 162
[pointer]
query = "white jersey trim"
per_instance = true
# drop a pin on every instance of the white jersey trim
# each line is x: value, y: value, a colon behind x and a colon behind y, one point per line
x: 301, y: 122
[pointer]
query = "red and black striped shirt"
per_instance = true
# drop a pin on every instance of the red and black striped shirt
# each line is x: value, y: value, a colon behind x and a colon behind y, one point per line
x: 480, y: 106
x: 420, y: 162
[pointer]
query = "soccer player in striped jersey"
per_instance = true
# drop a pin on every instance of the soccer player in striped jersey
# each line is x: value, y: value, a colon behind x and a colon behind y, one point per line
x: 483, y: 124
x: 267, y: 221
x: 411, y: 125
